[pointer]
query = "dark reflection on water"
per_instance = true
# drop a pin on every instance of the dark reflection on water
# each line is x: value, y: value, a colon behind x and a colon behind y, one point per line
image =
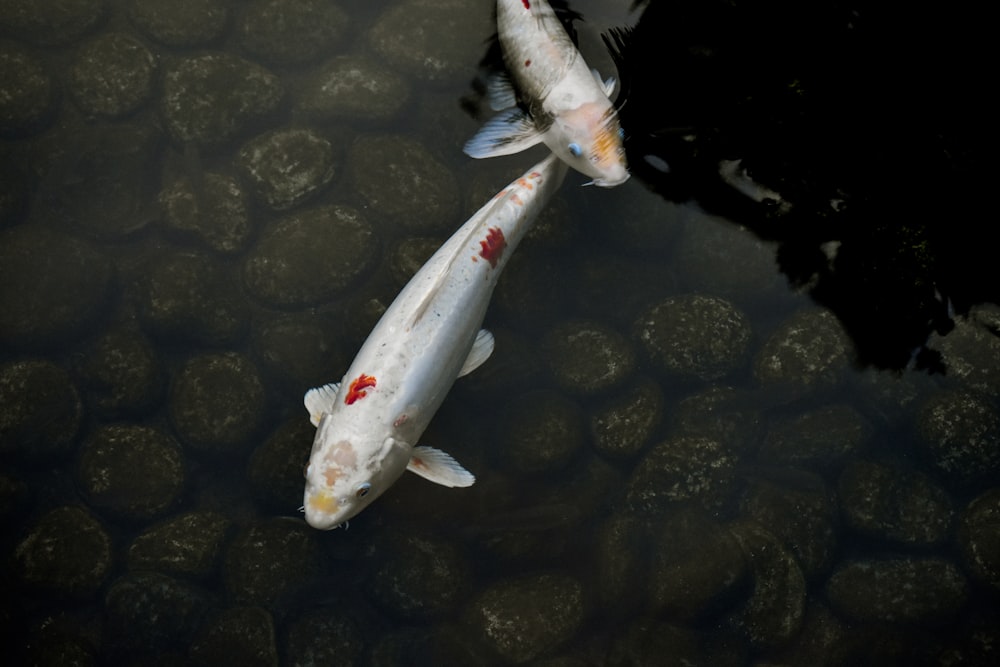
x: 706, y: 435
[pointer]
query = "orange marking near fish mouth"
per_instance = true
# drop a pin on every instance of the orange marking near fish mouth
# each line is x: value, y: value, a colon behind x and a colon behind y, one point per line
x: 493, y: 246
x: 357, y: 388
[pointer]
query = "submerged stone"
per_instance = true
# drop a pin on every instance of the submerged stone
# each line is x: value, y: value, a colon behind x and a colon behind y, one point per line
x: 122, y: 373
x: 149, y: 612
x: 978, y: 537
x: 271, y: 558
x: 286, y: 167
x: 66, y: 553
x: 418, y: 577
x: 541, y: 431
x: 50, y: 23
x: 808, y: 351
x: 237, y: 636
x: 625, y: 423
x: 325, y: 636
x: 213, y: 208
x: 28, y: 93
x: 354, y: 88
x: 683, y: 470
x: 588, y: 358
x: 292, y: 33
x: 42, y: 411
x: 818, y: 439
x: 276, y: 465
x: 960, y: 432
x: 181, y: 23
x: 187, y: 545
x: 112, y: 75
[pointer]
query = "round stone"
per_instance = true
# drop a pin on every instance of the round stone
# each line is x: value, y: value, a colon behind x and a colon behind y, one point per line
x: 292, y: 33
x: 682, y: 470
x: 181, y: 23
x: 808, y: 351
x: 624, y: 424
x: 122, y: 373
x: 960, y: 432
x: 67, y: 552
x: 271, y: 558
x: 275, y: 467
x: 41, y: 413
x: 355, y: 88
x: 418, y: 577
x: 978, y: 537
x: 286, y: 167
x: 29, y: 93
x: 541, y: 431
x: 587, y: 358
x: 112, y: 76
x: 237, y: 636
x: 213, y: 210
x: 50, y: 23
x: 188, y: 545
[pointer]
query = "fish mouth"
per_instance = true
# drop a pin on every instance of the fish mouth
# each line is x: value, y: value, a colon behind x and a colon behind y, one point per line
x: 610, y: 182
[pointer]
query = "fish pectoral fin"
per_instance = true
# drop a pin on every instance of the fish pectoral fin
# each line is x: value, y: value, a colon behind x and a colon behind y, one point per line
x: 607, y: 85
x: 509, y: 132
x: 439, y: 467
x: 320, y: 400
x: 481, y: 350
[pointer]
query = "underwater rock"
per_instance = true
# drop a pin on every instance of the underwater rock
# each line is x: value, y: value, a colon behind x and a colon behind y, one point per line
x: 809, y: 351
x: 431, y: 40
x: 67, y: 553
x: 587, y: 358
x: 181, y: 23
x: 620, y: 565
x: 29, y: 93
x: 42, y: 411
x: 912, y: 590
x: 960, y: 432
x: 624, y: 424
x: 188, y: 545
x: 298, y: 351
x: 352, y: 88
x: 310, y: 257
x: 417, y: 576
x: 773, y: 614
x: 524, y: 617
x: 326, y: 636
x: 211, y: 99
x: 292, y: 33
x: 112, y: 76
x: 902, y: 506
x: 684, y: 469
x: 541, y: 431
x: 212, y: 208
x: 650, y: 641
x: 236, y: 636
x: 599, y: 281
x: 186, y: 298
x: 972, y: 350
x: 978, y: 538
x: 731, y: 416
x: 695, y: 337
x: 423, y: 198
x: 133, y: 472
x: 409, y: 255
x: 696, y: 563
x: 276, y: 465
x: 271, y: 558
x: 53, y: 288
x: 122, y: 374
x: 818, y: 439
x: 217, y: 403
x: 286, y: 167
x: 50, y: 23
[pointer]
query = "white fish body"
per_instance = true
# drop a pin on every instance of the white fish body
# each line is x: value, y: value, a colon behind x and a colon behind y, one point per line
x: 569, y: 108
x: 369, y: 424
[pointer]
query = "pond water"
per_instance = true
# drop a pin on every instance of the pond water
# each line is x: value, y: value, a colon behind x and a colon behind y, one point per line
x: 717, y: 428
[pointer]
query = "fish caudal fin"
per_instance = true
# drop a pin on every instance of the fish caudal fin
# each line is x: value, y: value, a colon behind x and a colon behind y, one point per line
x: 509, y: 132
x: 320, y: 400
x: 481, y: 350
x: 439, y: 467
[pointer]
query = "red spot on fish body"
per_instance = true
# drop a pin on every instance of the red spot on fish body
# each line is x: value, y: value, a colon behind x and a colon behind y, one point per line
x: 493, y: 246
x: 527, y: 4
x: 527, y: 63
x: 357, y: 389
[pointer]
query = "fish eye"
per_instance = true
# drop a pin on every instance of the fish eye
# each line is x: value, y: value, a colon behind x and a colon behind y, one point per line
x: 362, y: 490
x: 575, y: 150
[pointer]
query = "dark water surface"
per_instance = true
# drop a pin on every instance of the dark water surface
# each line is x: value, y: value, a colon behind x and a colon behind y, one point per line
x: 719, y: 428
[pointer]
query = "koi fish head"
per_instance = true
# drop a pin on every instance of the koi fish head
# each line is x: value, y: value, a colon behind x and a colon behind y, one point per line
x: 589, y: 139
x: 345, y: 474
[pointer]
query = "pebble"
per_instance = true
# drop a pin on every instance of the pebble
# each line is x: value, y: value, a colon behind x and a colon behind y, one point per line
x: 67, y: 552
x: 354, y: 88
x: 960, y: 433
x: 624, y: 424
x: 292, y: 33
x: 587, y: 358
x: 42, y: 411
x: 211, y: 207
x: 978, y: 538
x: 286, y: 167
x: 122, y: 374
x: 30, y: 94
x: 271, y: 558
x: 51, y: 23
x: 181, y: 23
x: 808, y: 351
x: 541, y: 431
x: 818, y: 439
x: 683, y: 469
x: 186, y: 545
x: 112, y: 76
x: 239, y: 636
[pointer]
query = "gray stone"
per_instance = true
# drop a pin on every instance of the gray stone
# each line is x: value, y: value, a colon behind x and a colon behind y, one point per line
x: 50, y: 23
x: 588, y: 358
x: 133, y: 472
x: 122, y: 374
x: 112, y: 75
x: 683, y: 470
x: 418, y: 577
x: 217, y: 403
x: 696, y: 564
x: 310, y: 257
x: 53, y: 288
x: 541, y: 431
x: 525, y: 617
x: 28, y: 93
x: 654, y: 642
x: 286, y: 167
x: 275, y: 470
x: 188, y: 545
x: 325, y: 637
x: 695, y: 337
x: 213, y: 98
x: 402, y: 182
x: 271, y: 558
x: 211, y: 207
x: 292, y: 33
x: 731, y: 416
x: 620, y: 565
x: 149, y: 612
x: 185, y: 298
x: 903, y: 506
x: 971, y: 350
x: 773, y: 614
x: 66, y: 553
x: 809, y: 351
x: 352, y: 88
x: 237, y: 636
x: 798, y: 509
x: 409, y: 255
x: 42, y: 411
x: 431, y: 40
x: 818, y: 439
x: 913, y: 590
x: 960, y: 431
x: 599, y: 280
x: 181, y: 23
x: 298, y: 351
x: 623, y: 424
x: 978, y: 538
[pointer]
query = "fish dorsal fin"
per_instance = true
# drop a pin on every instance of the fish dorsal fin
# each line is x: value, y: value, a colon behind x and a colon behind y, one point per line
x: 439, y: 467
x: 481, y: 350
x: 500, y: 92
x: 509, y: 132
x: 320, y: 400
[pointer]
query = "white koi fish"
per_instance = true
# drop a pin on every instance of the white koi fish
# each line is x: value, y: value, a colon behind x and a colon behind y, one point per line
x: 568, y: 107
x: 369, y: 423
